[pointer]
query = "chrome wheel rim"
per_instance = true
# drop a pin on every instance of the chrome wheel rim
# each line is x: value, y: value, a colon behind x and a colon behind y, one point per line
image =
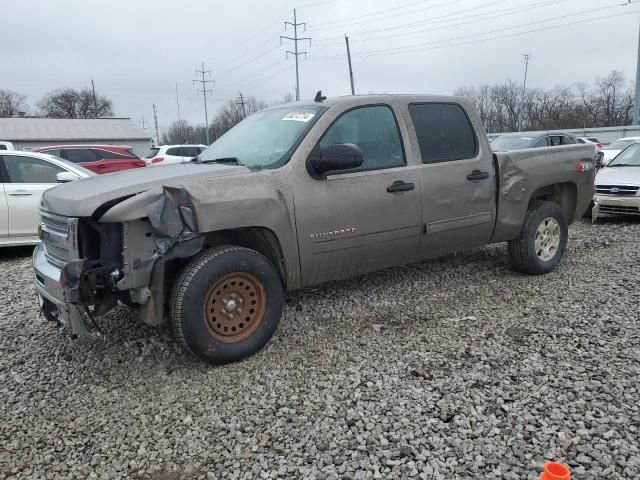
x: 547, y: 241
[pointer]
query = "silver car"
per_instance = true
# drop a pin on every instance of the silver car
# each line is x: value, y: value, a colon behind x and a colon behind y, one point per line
x: 618, y: 185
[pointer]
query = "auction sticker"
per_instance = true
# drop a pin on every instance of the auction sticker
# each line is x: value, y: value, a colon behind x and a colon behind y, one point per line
x: 299, y: 116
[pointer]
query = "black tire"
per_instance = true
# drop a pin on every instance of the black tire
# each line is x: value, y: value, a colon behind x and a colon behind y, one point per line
x: 522, y: 251
x: 221, y: 275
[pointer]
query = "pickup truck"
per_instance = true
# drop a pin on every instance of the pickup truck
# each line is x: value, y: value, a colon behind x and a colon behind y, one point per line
x: 292, y: 196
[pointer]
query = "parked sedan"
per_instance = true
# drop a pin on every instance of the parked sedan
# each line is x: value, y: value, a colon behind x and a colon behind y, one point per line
x: 97, y: 158
x: 618, y: 185
x: 614, y: 148
x: 168, y: 154
x: 522, y: 140
x: 593, y: 140
x: 25, y: 176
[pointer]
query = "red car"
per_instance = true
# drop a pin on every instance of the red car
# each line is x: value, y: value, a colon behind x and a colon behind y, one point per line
x: 97, y: 158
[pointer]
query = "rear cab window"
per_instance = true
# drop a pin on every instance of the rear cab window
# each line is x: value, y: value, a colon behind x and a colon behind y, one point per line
x: 444, y: 132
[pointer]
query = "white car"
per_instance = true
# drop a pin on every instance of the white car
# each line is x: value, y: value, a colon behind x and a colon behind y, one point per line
x: 593, y: 140
x: 618, y: 185
x: 25, y: 176
x: 614, y: 148
x: 168, y: 154
x: 6, y: 146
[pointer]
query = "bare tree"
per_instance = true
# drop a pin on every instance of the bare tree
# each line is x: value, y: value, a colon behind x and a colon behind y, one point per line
x: 71, y: 103
x: 12, y: 103
x: 608, y: 103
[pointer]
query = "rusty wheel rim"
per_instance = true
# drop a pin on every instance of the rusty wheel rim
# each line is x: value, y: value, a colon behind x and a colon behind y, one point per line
x: 234, y: 307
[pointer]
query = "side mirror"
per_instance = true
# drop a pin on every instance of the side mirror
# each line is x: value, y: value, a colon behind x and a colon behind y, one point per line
x: 599, y: 160
x: 340, y: 156
x: 64, y: 177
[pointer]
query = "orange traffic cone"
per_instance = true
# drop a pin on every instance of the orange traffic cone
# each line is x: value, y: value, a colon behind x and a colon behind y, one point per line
x: 555, y: 471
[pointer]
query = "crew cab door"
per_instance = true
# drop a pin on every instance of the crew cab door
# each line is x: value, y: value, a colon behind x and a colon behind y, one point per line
x: 365, y: 219
x: 457, y: 179
x: 26, y: 178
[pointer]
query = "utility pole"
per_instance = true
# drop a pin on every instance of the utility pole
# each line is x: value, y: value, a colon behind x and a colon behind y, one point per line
x: 525, y: 59
x: 353, y: 90
x: 243, y: 103
x: 95, y: 103
x: 295, y: 39
x: 204, y: 91
x: 155, y: 119
x: 182, y: 139
x: 636, y: 104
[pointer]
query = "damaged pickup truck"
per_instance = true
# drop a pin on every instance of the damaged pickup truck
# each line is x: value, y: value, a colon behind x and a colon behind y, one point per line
x: 297, y: 195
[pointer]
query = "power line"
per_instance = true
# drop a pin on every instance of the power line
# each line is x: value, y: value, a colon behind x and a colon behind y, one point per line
x: 295, y: 52
x: 204, y: 91
x: 431, y: 7
x: 414, y: 47
x: 488, y: 16
x: 379, y: 12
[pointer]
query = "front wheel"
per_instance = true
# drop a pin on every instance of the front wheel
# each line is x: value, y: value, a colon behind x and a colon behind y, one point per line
x: 226, y: 304
x: 542, y: 241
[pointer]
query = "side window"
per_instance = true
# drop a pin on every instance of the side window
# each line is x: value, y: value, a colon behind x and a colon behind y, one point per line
x: 30, y: 170
x: 444, y: 132
x: 177, y: 151
x: 3, y: 147
x: 555, y: 140
x: 190, y: 151
x: 374, y: 130
x: 79, y: 155
x: 52, y: 152
x: 104, y: 154
x: 568, y: 141
x: 580, y: 140
x: 541, y: 142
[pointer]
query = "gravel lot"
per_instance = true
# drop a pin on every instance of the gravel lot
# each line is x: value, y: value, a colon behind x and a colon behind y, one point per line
x: 458, y: 368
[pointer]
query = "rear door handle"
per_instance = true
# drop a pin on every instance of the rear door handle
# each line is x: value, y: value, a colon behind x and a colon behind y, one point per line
x: 400, y: 186
x: 20, y: 193
x: 478, y: 175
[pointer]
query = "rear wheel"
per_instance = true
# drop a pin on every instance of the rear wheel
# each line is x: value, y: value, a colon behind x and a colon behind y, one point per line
x: 226, y: 304
x: 542, y: 241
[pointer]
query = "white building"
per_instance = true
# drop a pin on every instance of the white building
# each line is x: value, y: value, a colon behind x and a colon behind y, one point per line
x: 27, y: 133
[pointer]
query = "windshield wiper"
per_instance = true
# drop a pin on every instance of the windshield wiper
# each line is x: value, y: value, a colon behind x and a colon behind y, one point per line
x: 623, y: 165
x: 231, y: 160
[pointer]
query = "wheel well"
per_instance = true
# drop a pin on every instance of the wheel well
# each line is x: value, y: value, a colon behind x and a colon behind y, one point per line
x: 260, y: 239
x: 564, y: 194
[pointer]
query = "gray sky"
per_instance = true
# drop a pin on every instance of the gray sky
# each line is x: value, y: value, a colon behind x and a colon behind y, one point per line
x: 136, y: 51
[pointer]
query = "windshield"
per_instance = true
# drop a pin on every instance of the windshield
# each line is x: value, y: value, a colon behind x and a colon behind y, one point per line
x: 153, y: 151
x: 511, y: 143
x: 265, y: 139
x: 628, y: 158
x: 619, y: 145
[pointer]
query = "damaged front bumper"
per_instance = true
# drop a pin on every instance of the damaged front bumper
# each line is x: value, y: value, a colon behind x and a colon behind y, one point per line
x: 48, y: 282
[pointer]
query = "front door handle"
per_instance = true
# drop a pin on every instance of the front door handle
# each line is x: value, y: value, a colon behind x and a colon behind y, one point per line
x: 20, y: 193
x: 478, y: 175
x: 400, y: 186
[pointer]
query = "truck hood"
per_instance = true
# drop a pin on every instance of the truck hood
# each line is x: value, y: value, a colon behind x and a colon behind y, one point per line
x: 81, y: 198
x: 618, y: 176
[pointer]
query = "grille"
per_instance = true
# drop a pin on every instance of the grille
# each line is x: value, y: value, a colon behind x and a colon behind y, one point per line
x: 620, y: 190
x: 59, y: 238
x: 54, y: 223
x: 56, y: 254
x: 619, y: 210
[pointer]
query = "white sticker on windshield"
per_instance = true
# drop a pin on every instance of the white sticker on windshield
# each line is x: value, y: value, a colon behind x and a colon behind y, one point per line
x: 299, y: 116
